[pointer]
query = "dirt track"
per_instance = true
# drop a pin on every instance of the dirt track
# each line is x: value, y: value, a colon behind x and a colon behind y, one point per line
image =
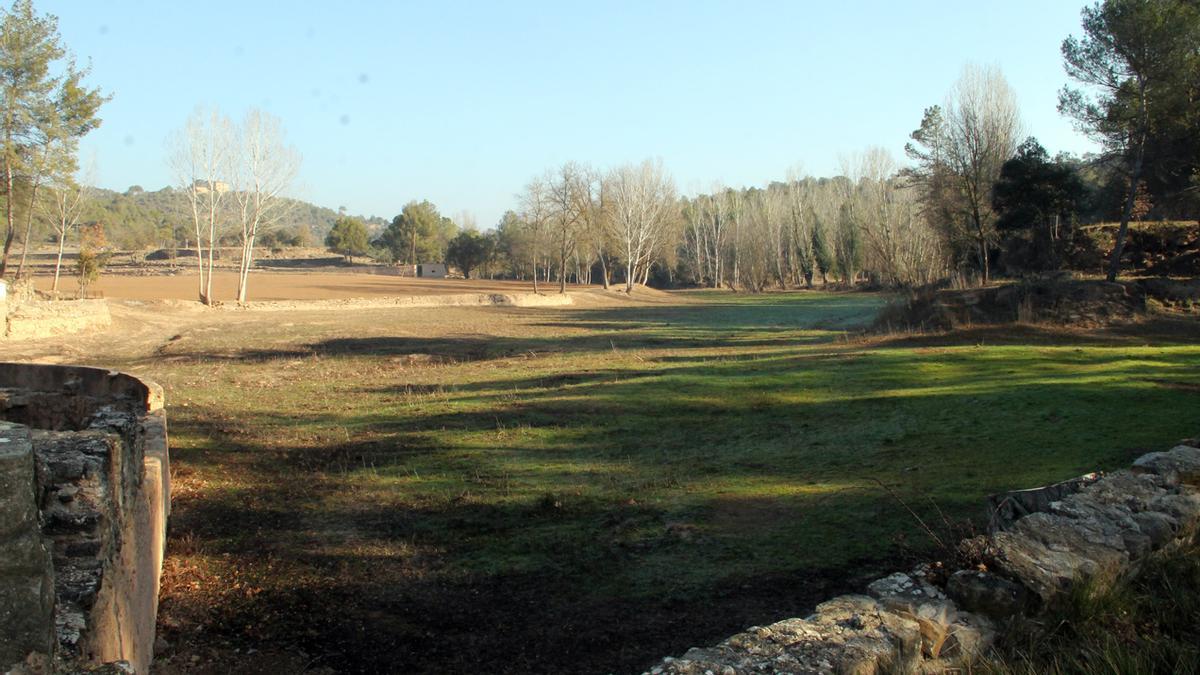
x: 310, y: 285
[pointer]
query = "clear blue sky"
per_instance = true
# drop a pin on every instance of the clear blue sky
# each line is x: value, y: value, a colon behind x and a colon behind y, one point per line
x: 461, y: 103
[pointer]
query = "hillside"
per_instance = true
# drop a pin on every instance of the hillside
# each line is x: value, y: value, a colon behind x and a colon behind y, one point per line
x: 138, y: 219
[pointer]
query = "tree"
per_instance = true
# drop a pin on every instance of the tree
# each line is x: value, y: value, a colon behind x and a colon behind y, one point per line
x: 69, y: 199
x: 960, y: 149
x: 46, y: 109
x: 1129, y: 62
x: 348, y: 237
x: 639, y: 203
x: 199, y: 155
x: 92, y: 256
x: 569, y: 190
x: 264, y: 168
x: 418, y: 233
x: 469, y: 250
x: 536, y: 212
x: 1037, y: 195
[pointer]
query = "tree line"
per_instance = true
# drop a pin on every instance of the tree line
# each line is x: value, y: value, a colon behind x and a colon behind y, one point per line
x: 977, y: 196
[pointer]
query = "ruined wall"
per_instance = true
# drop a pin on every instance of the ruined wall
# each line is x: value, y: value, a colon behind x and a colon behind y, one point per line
x: 1094, y: 529
x: 33, y: 320
x: 84, y: 500
x: 24, y: 317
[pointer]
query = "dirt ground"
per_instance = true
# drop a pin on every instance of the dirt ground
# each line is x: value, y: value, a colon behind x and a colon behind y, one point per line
x: 273, y: 285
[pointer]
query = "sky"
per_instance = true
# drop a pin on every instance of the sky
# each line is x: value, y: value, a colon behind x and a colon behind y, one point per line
x: 463, y: 103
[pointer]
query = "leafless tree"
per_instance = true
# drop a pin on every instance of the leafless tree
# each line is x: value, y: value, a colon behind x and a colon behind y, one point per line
x: 983, y: 129
x: 640, y: 203
x: 63, y: 209
x: 199, y: 154
x: 569, y: 190
x: 263, y: 167
x: 536, y: 211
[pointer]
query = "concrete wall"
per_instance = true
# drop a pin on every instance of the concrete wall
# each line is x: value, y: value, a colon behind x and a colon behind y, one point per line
x: 84, y: 501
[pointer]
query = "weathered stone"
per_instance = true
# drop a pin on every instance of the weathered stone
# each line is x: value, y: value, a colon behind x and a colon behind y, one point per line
x: 26, y: 581
x: 1159, y: 527
x: 1092, y: 528
x: 987, y: 594
x: 1180, y: 464
x: 1104, y: 523
x: 1006, y: 508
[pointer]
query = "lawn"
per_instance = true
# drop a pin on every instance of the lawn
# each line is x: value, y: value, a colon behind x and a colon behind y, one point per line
x: 593, y: 488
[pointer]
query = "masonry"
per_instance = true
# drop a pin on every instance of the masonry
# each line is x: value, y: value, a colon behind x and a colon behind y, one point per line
x: 84, y: 500
x: 1043, y: 542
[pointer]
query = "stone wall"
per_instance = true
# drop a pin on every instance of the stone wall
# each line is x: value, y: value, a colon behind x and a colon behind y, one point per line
x: 84, y: 500
x: 1095, y: 530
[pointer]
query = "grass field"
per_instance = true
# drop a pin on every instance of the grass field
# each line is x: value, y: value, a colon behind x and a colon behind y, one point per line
x: 592, y: 488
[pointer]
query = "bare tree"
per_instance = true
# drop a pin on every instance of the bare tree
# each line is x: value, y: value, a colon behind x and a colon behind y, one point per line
x: 595, y: 237
x: 640, y: 203
x: 536, y: 211
x: 568, y: 190
x: 199, y: 154
x: 983, y: 129
x: 68, y: 199
x: 263, y: 167
x: 899, y: 247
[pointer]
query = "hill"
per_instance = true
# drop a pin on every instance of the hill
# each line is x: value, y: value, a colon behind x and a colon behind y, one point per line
x: 139, y: 219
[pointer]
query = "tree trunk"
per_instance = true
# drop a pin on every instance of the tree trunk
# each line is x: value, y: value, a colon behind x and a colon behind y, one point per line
x: 603, y: 271
x: 244, y: 269
x: 28, y: 229
x: 8, y: 208
x: 200, y: 270
x: 62, y: 242
x: 1114, y: 264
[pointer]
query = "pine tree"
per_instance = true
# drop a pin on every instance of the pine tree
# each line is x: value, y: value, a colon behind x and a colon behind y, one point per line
x: 46, y: 109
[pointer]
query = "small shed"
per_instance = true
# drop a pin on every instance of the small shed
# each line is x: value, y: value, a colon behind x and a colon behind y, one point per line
x: 432, y: 270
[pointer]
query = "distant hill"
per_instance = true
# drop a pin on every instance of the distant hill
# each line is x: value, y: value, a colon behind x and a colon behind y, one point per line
x: 138, y: 219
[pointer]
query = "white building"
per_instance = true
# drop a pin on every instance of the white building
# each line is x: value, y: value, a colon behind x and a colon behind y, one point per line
x: 432, y: 270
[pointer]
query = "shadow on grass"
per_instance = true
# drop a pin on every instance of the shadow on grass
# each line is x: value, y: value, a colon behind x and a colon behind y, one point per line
x: 598, y: 514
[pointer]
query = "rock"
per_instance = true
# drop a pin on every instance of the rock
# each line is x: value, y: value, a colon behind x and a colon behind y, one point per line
x: 1179, y: 465
x: 987, y: 594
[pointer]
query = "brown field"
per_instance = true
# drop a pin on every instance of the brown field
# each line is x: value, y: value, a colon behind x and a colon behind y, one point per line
x: 309, y: 285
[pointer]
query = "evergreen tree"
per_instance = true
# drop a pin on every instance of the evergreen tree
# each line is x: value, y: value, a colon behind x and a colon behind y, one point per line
x: 46, y: 109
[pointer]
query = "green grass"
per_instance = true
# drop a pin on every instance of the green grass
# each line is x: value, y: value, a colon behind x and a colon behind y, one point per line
x: 617, y: 469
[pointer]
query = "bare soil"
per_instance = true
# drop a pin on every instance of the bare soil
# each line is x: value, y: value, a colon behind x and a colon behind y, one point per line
x: 276, y: 285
